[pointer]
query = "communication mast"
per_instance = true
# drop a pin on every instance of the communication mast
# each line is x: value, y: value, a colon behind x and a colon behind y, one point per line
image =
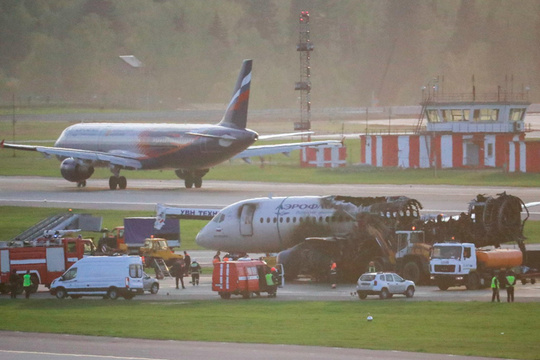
x: 304, y: 47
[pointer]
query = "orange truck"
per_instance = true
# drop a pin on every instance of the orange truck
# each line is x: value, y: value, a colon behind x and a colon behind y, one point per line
x: 45, y: 258
x: 242, y: 277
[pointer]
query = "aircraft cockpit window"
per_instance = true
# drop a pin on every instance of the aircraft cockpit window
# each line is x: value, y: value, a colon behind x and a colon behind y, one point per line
x: 219, y: 218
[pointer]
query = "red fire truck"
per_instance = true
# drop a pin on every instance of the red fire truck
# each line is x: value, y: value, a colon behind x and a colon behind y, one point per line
x: 45, y: 258
x: 242, y: 277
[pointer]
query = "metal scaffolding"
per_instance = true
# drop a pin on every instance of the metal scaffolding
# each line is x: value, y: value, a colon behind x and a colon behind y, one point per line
x: 304, y: 47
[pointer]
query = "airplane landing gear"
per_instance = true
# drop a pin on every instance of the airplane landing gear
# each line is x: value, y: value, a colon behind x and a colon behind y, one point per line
x: 81, y: 184
x: 117, y: 181
x: 189, y: 181
x: 191, y: 178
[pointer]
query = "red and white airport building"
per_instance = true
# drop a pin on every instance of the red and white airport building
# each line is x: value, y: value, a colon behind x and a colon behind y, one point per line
x: 478, y: 133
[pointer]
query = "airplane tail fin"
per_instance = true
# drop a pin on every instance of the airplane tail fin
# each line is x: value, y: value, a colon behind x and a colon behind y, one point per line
x: 236, y: 113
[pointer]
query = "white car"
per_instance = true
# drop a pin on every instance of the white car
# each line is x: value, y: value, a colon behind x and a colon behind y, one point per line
x: 150, y: 284
x: 384, y: 284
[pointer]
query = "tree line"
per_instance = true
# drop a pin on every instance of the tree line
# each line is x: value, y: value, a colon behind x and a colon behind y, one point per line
x: 366, y: 52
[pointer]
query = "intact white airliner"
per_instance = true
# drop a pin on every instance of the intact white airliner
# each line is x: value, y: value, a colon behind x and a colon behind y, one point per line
x: 190, y: 149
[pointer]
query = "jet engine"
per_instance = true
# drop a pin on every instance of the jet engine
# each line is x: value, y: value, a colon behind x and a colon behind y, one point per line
x: 74, y: 171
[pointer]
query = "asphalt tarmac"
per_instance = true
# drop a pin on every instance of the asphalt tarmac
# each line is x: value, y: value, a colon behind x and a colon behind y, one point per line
x: 145, y: 194
x: 32, y: 346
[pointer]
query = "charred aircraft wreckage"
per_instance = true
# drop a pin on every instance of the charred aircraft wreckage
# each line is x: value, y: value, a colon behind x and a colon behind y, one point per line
x: 313, y: 231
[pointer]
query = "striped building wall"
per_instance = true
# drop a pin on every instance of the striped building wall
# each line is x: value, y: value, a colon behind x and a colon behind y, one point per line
x: 323, y: 156
x: 505, y: 150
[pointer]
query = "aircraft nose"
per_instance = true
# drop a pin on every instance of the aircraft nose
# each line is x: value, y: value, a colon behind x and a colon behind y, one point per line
x: 202, y: 238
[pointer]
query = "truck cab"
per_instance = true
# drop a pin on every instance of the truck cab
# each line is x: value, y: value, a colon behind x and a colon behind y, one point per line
x: 412, y: 255
x: 452, y: 263
x: 159, y: 248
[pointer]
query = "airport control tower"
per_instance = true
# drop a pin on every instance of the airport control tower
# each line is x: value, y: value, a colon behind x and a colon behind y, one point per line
x: 304, y: 47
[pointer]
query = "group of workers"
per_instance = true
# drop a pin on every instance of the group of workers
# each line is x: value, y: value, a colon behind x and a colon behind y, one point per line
x: 15, y: 282
x: 503, y: 280
x: 186, y: 267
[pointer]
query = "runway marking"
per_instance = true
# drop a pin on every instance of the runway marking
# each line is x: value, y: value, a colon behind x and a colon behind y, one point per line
x: 78, y: 355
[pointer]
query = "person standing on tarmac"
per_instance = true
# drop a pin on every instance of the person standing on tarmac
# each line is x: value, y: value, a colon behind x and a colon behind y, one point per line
x: 14, y: 283
x: 333, y: 274
x: 271, y: 284
x: 510, y: 282
x: 495, y: 288
x: 179, y: 272
x: 195, y: 270
x: 371, y: 267
x: 27, y: 284
x: 187, y: 262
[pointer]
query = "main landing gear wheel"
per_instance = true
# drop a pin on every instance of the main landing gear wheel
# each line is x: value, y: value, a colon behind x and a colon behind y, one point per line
x: 120, y: 182
x: 188, y: 182
x: 81, y: 184
x: 198, y: 182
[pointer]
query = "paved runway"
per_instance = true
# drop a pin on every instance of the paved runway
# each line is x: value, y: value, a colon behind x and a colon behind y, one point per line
x: 31, y: 346
x: 145, y: 194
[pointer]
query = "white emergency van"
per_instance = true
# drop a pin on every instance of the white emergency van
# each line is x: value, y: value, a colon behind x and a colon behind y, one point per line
x: 107, y: 276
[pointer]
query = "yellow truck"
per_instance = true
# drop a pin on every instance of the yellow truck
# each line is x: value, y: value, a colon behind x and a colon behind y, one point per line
x: 157, y: 254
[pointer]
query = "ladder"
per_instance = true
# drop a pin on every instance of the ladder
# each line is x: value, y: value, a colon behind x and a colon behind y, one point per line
x: 161, y: 266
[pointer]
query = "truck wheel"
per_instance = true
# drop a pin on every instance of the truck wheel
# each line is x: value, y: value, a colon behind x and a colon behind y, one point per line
x: 154, y: 288
x: 473, y: 281
x: 61, y: 293
x: 384, y: 294
x: 362, y: 295
x: 411, y: 271
x: 410, y: 292
x: 112, y: 293
x: 225, y: 295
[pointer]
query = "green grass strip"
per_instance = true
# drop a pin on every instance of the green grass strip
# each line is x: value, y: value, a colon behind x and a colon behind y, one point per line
x: 468, y: 328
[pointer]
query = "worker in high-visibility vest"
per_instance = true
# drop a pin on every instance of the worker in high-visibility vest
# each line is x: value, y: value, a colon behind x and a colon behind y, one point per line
x: 495, y: 288
x: 271, y: 284
x: 27, y: 283
x: 511, y: 281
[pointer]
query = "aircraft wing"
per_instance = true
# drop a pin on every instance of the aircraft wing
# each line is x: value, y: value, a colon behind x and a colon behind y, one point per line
x: 263, y: 150
x: 124, y: 160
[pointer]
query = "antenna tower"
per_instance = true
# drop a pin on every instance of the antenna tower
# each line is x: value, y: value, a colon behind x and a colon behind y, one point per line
x: 304, y: 47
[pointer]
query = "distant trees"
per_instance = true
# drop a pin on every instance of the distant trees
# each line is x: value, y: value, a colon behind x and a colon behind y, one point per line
x: 365, y: 51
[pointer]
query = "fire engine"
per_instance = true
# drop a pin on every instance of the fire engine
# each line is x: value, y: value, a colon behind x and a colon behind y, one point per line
x: 46, y: 258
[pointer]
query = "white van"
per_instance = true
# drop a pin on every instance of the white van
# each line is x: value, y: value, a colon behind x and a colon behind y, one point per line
x: 107, y: 276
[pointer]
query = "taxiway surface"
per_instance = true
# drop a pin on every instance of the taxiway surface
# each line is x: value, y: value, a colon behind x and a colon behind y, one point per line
x: 145, y: 194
